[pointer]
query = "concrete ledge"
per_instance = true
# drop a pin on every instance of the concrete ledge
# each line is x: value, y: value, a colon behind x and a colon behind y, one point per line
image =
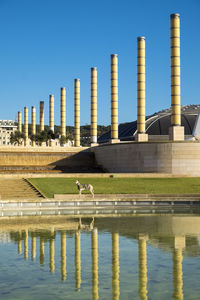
x: 139, y: 200
x: 75, y: 208
x: 43, y: 149
x: 129, y: 197
x: 102, y: 204
x: 96, y: 175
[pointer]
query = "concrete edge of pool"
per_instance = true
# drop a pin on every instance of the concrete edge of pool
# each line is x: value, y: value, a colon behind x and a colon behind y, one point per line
x: 73, y: 204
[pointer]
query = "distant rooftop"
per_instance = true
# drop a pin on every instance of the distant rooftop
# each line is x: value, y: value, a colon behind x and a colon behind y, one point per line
x: 7, y: 123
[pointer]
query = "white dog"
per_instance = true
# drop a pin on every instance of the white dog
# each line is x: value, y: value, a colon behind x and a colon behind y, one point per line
x: 83, y: 187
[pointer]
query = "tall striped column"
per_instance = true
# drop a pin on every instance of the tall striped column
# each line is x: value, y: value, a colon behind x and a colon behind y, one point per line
x: 175, y: 70
x: 19, y: 121
x: 41, y: 116
x: 141, y: 135
x: 176, y: 131
x: 51, y: 117
x: 115, y: 266
x: 26, y: 126
x: 63, y: 111
x: 93, y: 129
x: 33, y: 117
x: 114, y: 98
x: 77, y: 112
x: 95, y: 293
x: 51, y: 112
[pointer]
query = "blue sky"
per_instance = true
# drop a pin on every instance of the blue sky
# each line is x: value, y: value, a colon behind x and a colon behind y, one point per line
x: 45, y: 44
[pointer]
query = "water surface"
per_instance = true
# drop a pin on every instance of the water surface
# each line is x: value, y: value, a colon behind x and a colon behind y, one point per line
x: 100, y: 257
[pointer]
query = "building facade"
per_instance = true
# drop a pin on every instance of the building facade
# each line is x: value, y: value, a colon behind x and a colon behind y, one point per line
x: 6, y: 128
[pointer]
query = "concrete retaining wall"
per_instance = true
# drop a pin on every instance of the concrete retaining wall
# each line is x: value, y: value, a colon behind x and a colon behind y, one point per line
x: 42, y: 157
x: 181, y: 158
x: 11, y: 209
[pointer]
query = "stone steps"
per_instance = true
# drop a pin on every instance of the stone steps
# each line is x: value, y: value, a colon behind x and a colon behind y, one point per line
x: 17, y: 189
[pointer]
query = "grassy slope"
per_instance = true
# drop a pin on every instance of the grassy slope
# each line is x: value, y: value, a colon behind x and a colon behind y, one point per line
x: 51, y: 186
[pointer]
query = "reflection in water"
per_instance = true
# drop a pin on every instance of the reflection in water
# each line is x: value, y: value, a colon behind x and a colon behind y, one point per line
x: 179, y: 244
x: 115, y: 265
x: 63, y: 256
x: 19, y: 242
x: 33, y: 246
x: 95, y: 293
x: 41, y: 251
x: 177, y: 272
x: 26, y: 244
x: 52, y: 255
x: 78, y: 259
x: 139, y: 231
x: 142, y: 257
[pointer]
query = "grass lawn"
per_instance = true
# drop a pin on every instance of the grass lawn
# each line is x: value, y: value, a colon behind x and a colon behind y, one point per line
x: 51, y: 186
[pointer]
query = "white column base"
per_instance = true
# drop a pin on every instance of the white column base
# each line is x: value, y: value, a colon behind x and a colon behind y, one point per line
x: 114, y: 141
x: 51, y: 143
x: 176, y: 133
x: 141, y: 137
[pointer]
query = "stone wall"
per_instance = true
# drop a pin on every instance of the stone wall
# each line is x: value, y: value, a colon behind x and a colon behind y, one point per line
x: 150, y: 157
x: 69, y: 160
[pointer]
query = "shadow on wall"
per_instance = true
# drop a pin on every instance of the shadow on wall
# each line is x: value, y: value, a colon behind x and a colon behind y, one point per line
x: 83, y: 161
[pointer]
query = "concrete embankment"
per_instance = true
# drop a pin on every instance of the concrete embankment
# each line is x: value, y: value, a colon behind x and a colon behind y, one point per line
x: 181, y: 158
x: 75, y: 205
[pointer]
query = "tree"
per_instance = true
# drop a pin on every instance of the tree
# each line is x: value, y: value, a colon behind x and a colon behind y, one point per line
x: 69, y: 136
x: 62, y: 140
x: 33, y: 137
x: 17, y: 138
x: 50, y: 135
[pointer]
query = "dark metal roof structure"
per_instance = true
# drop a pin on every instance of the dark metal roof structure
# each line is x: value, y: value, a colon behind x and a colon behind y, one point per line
x: 157, y: 124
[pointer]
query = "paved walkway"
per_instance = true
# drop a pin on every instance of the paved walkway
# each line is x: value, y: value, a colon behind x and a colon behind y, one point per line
x: 94, y: 175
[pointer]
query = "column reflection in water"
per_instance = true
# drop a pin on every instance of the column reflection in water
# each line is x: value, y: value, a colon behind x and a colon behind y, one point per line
x: 52, y: 255
x: 26, y: 244
x: 95, y: 293
x: 177, y: 267
x: 142, y: 257
x: 33, y: 246
x: 19, y: 246
x: 78, y: 259
x: 63, y: 256
x: 115, y: 266
x: 41, y: 251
